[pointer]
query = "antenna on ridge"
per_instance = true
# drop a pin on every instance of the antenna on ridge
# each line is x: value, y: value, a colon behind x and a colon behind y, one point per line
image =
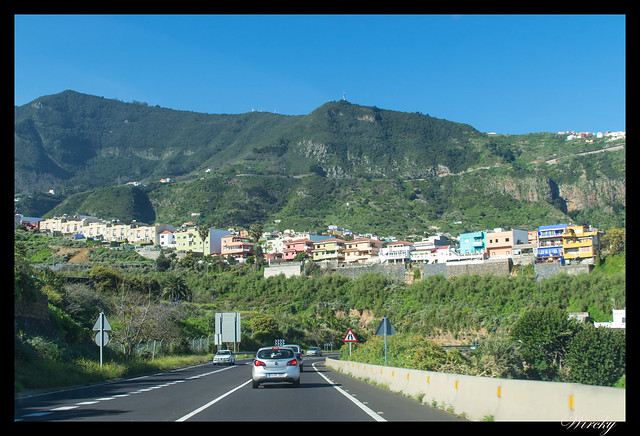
x: 343, y: 97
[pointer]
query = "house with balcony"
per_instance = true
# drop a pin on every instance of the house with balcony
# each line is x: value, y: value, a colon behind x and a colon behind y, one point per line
x: 501, y: 243
x: 236, y: 246
x: 550, y: 243
x: 331, y: 249
x: 580, y: 242
x: 293, y: 247
x: 363, y: 250
x: 396, y: 252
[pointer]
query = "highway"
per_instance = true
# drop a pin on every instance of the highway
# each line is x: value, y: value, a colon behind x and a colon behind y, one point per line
x: 223, y: 393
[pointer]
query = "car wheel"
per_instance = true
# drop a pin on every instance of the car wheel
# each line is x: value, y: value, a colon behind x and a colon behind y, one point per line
x: 296, y: 384
x: 255, y: 384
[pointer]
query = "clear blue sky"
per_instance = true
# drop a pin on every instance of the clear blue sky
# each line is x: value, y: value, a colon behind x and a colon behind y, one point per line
x: 499, y: 73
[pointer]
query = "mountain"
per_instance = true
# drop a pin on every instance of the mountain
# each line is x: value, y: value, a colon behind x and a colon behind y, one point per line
x: 361, y: 167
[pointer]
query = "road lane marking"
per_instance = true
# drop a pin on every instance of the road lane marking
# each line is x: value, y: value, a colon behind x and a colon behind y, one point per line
x: 151, y: 388
x: 368, y: 411
x: 211, y: 403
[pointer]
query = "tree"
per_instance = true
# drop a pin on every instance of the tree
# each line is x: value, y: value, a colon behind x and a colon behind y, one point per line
x: 203, y: 231
x: 596, y: 356
x: 544, y: 334
x: 175, y: 288
x: 105, y: 279
x: 615, y: 240
x: 163, y: 263
x: 255, y: 231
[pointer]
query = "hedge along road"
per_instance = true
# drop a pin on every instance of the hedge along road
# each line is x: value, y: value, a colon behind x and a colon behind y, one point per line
x: 209, y: 393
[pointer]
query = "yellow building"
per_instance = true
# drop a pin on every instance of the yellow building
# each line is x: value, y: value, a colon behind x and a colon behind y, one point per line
x: 580, y: 242
x: 329, y: 249
x: 189, y: 240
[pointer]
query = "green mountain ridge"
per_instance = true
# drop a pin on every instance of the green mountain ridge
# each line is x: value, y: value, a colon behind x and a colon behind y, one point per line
x: 369, y: 169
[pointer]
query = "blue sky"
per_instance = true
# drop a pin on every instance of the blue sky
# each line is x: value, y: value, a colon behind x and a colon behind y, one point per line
x: 499, y: 73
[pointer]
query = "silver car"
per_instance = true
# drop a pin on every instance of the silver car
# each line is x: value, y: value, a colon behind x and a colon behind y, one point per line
x: 275, y: 365
x: 314, y: 351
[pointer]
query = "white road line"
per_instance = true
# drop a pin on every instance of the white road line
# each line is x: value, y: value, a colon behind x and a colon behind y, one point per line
x: 151, y: 388
x: 211, y: 403
x: 368, y: 411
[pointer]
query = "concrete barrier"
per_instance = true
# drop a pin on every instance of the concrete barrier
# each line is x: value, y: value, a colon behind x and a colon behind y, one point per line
x: 499, y: 399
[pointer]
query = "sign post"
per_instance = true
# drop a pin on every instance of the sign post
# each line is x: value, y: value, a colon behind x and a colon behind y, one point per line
x: 102, y: 338
x: 227, y: 326
x: 385, y: 329
x: 350, y: 337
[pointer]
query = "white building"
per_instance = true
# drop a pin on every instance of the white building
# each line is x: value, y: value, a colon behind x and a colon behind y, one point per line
x: 619, y: 320
x: 167, y: 239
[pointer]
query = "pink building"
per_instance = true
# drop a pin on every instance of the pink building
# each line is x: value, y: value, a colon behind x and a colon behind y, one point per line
x: 295, y: 246
x: 500, y: 243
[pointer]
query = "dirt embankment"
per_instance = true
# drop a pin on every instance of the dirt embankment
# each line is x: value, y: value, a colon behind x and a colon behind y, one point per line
x: 79, y: 255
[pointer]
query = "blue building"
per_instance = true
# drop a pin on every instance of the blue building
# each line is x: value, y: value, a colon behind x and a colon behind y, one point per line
x: 550, y: 242
x: 472, y: 243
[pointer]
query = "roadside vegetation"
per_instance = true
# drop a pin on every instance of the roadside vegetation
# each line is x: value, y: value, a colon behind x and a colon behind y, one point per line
x: 171, y: 301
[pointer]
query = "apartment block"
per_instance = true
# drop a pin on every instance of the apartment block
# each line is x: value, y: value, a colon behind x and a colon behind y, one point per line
x: 396, y: 252
x: 501, y: 243
x: 580, y: 242
x: 329, y: 249
x: 236, y: 246
x: 295, y: 246
x: 550, y: 242
x: 472, y: 243
x: 363, y: 250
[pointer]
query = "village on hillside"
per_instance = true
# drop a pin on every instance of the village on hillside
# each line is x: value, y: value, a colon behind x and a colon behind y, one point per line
x: 563, y: 243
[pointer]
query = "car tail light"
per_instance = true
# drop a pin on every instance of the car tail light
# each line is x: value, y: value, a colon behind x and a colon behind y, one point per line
x: 259, y: 363
x: 292, y: 362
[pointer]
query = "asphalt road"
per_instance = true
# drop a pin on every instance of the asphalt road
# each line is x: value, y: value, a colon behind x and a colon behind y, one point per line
x: 213, y: 393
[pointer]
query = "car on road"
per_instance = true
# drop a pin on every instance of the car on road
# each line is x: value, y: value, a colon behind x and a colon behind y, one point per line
x: 224, y: 356
x: 275, y: 365
x: 314, y: 351
x: 298, y: 350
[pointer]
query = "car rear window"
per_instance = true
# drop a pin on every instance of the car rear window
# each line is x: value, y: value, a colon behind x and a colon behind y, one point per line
x: 275, y: 353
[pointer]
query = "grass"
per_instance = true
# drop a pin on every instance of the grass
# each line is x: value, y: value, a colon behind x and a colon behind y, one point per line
x: 42, y: 374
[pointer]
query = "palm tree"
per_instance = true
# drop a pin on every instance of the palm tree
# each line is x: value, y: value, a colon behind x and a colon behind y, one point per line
x: 203, y: 231
x: 255, y: 231
x: 175, y: 288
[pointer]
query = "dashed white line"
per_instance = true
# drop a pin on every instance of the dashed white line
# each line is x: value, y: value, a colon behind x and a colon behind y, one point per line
x: 211, y: 403
x: 151, y: 388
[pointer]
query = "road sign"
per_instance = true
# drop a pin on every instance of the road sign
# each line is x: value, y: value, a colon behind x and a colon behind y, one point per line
x: 350, y: 337
x: 104, y: 326
x: 100, y: 337
x: 385, y: 328
x: 227, y: 327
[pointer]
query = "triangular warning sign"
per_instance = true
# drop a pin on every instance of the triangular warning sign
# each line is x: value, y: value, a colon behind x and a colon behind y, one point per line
x: 350, y: 337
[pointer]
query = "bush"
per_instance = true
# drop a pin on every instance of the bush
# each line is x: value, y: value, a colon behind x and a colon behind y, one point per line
x: 596, y: 356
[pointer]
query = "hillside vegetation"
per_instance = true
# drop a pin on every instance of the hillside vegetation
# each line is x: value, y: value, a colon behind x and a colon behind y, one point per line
x: 309, y: 310
x: 365, y: 168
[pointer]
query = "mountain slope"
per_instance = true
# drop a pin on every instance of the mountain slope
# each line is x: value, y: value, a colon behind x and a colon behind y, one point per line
x: 367, y: 168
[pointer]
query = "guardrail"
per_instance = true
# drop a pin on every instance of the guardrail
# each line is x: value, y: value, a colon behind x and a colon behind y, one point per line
x: 482, y: 398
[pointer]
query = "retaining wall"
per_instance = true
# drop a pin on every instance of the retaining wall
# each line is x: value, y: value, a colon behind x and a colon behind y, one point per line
x: 480, y: 398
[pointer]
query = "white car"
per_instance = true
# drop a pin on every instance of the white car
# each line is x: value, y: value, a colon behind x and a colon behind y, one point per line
x: 224, y: 356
